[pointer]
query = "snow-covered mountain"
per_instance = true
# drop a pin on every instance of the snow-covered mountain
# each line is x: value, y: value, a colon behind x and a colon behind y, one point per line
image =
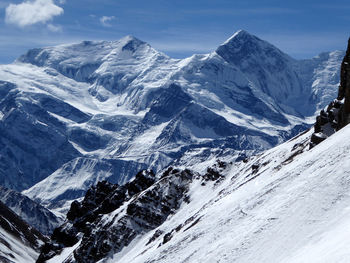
x: 289, y: 204
x: 19, y: 242
x: 73, y: 115
x: 31, y: 212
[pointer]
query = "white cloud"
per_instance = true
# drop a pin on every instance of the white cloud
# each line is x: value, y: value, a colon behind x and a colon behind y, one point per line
x: 54, y: 28
x: 105, y: 20
x: 32, y: 12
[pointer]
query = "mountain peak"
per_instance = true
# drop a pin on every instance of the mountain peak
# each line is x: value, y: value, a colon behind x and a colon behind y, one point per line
x: 240, y: 39
x: 131, y: 43
x: 239, y: 36
x: 130, y: 38
x: 243, y: 45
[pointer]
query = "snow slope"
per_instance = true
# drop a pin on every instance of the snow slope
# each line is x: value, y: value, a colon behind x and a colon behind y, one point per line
x: 102, y: 110
x: 294, y: 208
x: 289, y: 211
x: 14, y: 250
x: 289, y: 204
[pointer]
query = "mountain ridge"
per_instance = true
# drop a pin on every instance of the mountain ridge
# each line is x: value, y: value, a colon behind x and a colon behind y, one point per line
x: 118, y: 109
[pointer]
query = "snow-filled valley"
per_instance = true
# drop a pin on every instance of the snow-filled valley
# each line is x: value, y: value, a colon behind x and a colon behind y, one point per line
x: 84, y: 126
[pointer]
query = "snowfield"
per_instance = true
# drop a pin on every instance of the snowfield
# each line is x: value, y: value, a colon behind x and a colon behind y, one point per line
x: 289, y: 204
x: 293, y: 209
x: 15, y: 249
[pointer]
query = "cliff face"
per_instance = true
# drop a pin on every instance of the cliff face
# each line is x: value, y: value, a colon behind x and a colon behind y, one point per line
x: 337, y: 114
x: 344, y: 88
x: 111, y: 217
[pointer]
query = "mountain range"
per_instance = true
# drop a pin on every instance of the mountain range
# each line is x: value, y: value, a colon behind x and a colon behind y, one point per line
x: 73, y: 115
x: 116, y: 152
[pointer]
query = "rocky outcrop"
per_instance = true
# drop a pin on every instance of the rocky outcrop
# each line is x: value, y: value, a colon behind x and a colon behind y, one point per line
x: 111, y: 216
x: 134, y: 208
x: 337, y: 114
x: 83, y: 216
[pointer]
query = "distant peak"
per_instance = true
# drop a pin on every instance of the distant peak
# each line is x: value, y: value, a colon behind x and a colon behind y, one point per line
x: 131, y: 39
x: 243, y: 44
x: 240, y: 36
x: 131, y: 43
x: 239, y: 44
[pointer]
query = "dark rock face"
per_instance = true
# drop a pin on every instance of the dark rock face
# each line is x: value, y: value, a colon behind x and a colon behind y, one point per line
x: 111, y: 216
x: 344, y: 89
x: 130, y: 214
x: 337, y: 114
x: 100, y: 199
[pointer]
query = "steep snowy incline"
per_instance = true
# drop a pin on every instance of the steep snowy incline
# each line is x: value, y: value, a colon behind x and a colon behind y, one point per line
x: 290, y: 204
x: 19, y: 243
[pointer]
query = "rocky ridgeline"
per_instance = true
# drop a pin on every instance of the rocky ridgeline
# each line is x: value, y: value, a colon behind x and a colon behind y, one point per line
x: 337, y: 114
x: 111, y: 216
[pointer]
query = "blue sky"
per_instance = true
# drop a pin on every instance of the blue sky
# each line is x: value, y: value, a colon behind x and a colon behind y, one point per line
x: 179, y: 28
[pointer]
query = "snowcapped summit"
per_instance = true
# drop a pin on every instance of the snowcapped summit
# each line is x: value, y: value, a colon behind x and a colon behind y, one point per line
x: 85, y: 51
x: 243, y: 45
x: 105, y: 108
x: 79, y: 61
x: 240, y: 35
x: 270, y: 71
x: 131, y: 43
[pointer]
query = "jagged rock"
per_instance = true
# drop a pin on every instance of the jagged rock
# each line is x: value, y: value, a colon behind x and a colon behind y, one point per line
x: 318, y: 137
x: 214, y: 173
x: 101, y: 199
x: 337, y: 114
x: 133, y: 213
x: 143, y: 213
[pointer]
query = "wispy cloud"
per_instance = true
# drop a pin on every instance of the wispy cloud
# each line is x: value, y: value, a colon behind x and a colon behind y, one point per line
x: 106, y: 20
x: 32, y: 12
x: 54, y: 28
